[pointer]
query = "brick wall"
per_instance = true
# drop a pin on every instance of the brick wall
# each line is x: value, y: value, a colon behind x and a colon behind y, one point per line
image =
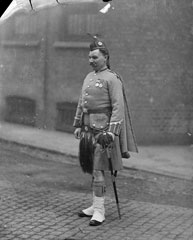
x: 22, y: 61
x: 151, y: 47
x: 150, y: 43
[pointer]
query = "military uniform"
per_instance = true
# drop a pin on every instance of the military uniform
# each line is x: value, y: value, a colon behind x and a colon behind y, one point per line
x: 101, y: 106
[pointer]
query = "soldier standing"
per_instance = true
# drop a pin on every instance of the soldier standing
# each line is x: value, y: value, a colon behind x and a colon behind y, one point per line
x: 102, y: 111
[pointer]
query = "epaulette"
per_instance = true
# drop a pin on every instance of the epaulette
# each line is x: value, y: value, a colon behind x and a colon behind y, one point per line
x: 116, y: 74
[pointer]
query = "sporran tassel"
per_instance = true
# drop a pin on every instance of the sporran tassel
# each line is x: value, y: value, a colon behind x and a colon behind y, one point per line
x: 86, y: 152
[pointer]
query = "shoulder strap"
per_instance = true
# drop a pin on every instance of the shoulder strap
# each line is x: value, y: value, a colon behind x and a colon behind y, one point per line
x: 116, y: 74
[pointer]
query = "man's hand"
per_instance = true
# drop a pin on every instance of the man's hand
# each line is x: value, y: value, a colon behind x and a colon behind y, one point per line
x: 77, y: 133
x: 112, y: 135
x: 105, y: 139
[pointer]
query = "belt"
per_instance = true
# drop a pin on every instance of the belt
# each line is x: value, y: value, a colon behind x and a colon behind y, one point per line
x: 98, y: 110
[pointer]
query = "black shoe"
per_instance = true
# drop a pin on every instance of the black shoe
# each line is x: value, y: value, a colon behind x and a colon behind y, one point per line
x: 95, y: 223
x: 82, y: 214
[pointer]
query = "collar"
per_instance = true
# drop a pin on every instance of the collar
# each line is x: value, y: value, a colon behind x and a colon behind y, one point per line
x: 101, y: 70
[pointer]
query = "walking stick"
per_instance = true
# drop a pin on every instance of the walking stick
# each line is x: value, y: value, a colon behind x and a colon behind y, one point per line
x: 113, y: 176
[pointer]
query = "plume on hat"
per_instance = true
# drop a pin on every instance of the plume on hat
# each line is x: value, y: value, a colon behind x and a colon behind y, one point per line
x: 97, y: 43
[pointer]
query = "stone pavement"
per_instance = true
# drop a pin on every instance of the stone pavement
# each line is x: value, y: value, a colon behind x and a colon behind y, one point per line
x: 39, y: 213
x: 175, y: 161
x: 30, y: 211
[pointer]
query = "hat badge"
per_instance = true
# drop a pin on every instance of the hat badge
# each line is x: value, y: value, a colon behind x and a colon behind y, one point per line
x: 100, y: 43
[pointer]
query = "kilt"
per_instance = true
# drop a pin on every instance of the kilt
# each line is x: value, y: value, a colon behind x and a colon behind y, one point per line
x: 100, y: 159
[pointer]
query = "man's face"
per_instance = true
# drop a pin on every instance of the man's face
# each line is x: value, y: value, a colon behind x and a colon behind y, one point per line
x: 97, y: 60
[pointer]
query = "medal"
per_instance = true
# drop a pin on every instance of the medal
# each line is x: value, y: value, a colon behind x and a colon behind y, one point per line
x: 99, y: 83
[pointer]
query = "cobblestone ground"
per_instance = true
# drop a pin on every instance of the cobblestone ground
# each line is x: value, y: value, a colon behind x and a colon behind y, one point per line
x: 38, y: 201
x: 39, y: 213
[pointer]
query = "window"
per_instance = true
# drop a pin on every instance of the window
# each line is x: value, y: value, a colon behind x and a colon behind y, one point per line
x: 25, y: 25
x: 78, y: 20
x: 79, y: 24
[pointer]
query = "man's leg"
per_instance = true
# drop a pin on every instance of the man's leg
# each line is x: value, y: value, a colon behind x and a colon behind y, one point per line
x: 98, y: 198
x: 87, y: 212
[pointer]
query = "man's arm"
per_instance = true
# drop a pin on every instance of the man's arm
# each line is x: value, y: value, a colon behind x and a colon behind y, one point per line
x: 117, y: 101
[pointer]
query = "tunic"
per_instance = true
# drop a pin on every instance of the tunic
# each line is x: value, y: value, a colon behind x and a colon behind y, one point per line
x: 102, y: 106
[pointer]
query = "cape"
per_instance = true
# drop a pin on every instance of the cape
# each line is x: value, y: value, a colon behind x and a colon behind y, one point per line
x: 127, y: 136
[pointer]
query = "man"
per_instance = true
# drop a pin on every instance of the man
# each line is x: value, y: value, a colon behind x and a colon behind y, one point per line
x: 102, y: 119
